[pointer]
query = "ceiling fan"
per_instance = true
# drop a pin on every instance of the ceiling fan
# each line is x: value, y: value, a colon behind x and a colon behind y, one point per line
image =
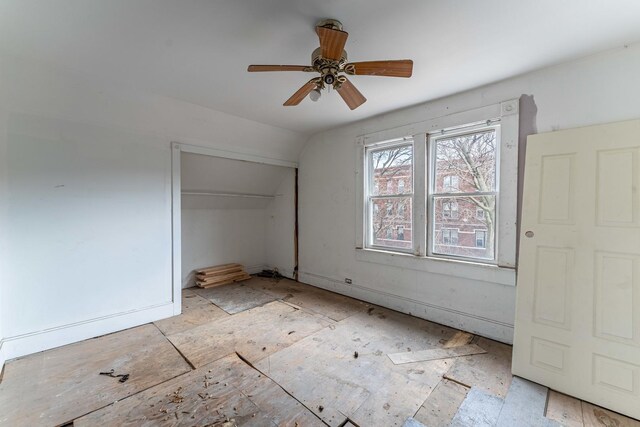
x: 330, y: 60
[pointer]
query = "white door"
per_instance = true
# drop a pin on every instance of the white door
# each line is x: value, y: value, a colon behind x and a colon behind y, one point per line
x: 578, y: 296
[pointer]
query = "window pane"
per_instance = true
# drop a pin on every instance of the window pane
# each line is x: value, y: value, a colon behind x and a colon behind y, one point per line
x: 466, y: 163
x: 391, y: 222
x: 392, y: 170
x: 462, y: 232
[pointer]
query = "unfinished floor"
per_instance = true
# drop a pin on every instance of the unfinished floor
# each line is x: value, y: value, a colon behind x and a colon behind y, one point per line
x: 277, y: 353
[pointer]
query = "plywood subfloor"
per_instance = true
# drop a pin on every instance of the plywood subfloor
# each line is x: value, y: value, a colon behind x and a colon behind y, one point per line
x: 571, y: 412
x: 227, y: 390
x: 289, y: 359
x: 490, y: 372
x: 235, y: 297
x: 195, y: 311
x: 255, y: 334
x: 442, y: 404
x: 334, y: 306
x: 55, y: 386
x: 322, y: 370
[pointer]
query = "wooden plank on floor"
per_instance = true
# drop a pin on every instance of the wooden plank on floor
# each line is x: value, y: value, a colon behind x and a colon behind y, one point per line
x: 235, y: 297
x: 595, y: 416
x: 524, y: 405
x: 56, y: 386
x: 490, y: 372
x: 459, y: 339
x: 225, y: 392
x: 479, y: 409
x: 442, y: 404
x: 195, y: 311
x: 369, y: 390
x: 435, y: 354
x: 255, y: 334
x: 217, y: 268
x: 214, y: 280
x: 564, y: 409
x: 220, y: 271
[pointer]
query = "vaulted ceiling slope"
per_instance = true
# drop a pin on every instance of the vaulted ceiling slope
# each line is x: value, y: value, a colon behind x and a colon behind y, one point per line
x: 198, y: 51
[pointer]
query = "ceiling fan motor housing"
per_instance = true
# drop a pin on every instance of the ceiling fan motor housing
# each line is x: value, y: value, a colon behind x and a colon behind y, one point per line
x: 328, y: 68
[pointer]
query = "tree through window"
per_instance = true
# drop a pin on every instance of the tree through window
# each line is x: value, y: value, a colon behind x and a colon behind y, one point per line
x: 390, y: 214
x: 464, y: 177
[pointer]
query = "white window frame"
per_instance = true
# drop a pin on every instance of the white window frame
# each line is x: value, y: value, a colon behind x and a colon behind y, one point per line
x: 502, y: 271
x: 432, y: 138
x: 383, y: 145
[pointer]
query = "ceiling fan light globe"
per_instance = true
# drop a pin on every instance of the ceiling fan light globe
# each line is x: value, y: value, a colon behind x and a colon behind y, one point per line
x: 314, y: 95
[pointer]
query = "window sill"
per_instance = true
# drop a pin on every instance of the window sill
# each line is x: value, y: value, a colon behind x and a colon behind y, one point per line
x: 448, y: 267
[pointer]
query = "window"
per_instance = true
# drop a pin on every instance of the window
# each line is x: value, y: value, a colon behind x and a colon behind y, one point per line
x: 453, y: 193
x: 449, y: 236
x: 450, y: 183
x: 463, y: 167
x: 384, y: 163
x: 450, y: 210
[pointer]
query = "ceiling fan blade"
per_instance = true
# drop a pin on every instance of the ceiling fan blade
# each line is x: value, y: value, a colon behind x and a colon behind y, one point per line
x: 257, y: 68
x: 332, y: 42
x: 399, y: 68
x: 297, y: 97
x: 351, y: 95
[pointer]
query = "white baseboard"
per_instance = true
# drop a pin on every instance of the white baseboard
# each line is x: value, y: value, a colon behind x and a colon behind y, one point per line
x: 21, y: 345
x: 478, y: 325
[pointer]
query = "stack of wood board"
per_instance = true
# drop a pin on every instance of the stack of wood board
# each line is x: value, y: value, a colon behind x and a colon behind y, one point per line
x: 220, y: 275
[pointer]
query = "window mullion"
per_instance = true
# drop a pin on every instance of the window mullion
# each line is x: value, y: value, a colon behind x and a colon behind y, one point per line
x: 419, y: 191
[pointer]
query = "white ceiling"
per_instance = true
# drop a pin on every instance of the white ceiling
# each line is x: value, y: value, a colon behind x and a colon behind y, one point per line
x: 198, y: 51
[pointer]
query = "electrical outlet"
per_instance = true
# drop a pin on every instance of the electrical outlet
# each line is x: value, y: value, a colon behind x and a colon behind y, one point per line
x: 347, y: 281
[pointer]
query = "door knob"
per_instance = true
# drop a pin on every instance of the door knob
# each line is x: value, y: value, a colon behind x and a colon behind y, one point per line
x: 529, y: 234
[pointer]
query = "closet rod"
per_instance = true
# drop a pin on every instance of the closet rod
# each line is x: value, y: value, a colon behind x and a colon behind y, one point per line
x: 206, y: 193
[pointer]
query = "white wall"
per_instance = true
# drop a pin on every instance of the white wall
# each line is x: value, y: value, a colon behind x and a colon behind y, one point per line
x: 280, y: 227
x: 216, y: 229
x: 4, y: 251
x: 597, y: 89
x: 221, y: 236
x: 85, y: 200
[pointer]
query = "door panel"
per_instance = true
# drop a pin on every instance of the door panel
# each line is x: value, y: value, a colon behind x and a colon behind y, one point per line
x: 578, y: 297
